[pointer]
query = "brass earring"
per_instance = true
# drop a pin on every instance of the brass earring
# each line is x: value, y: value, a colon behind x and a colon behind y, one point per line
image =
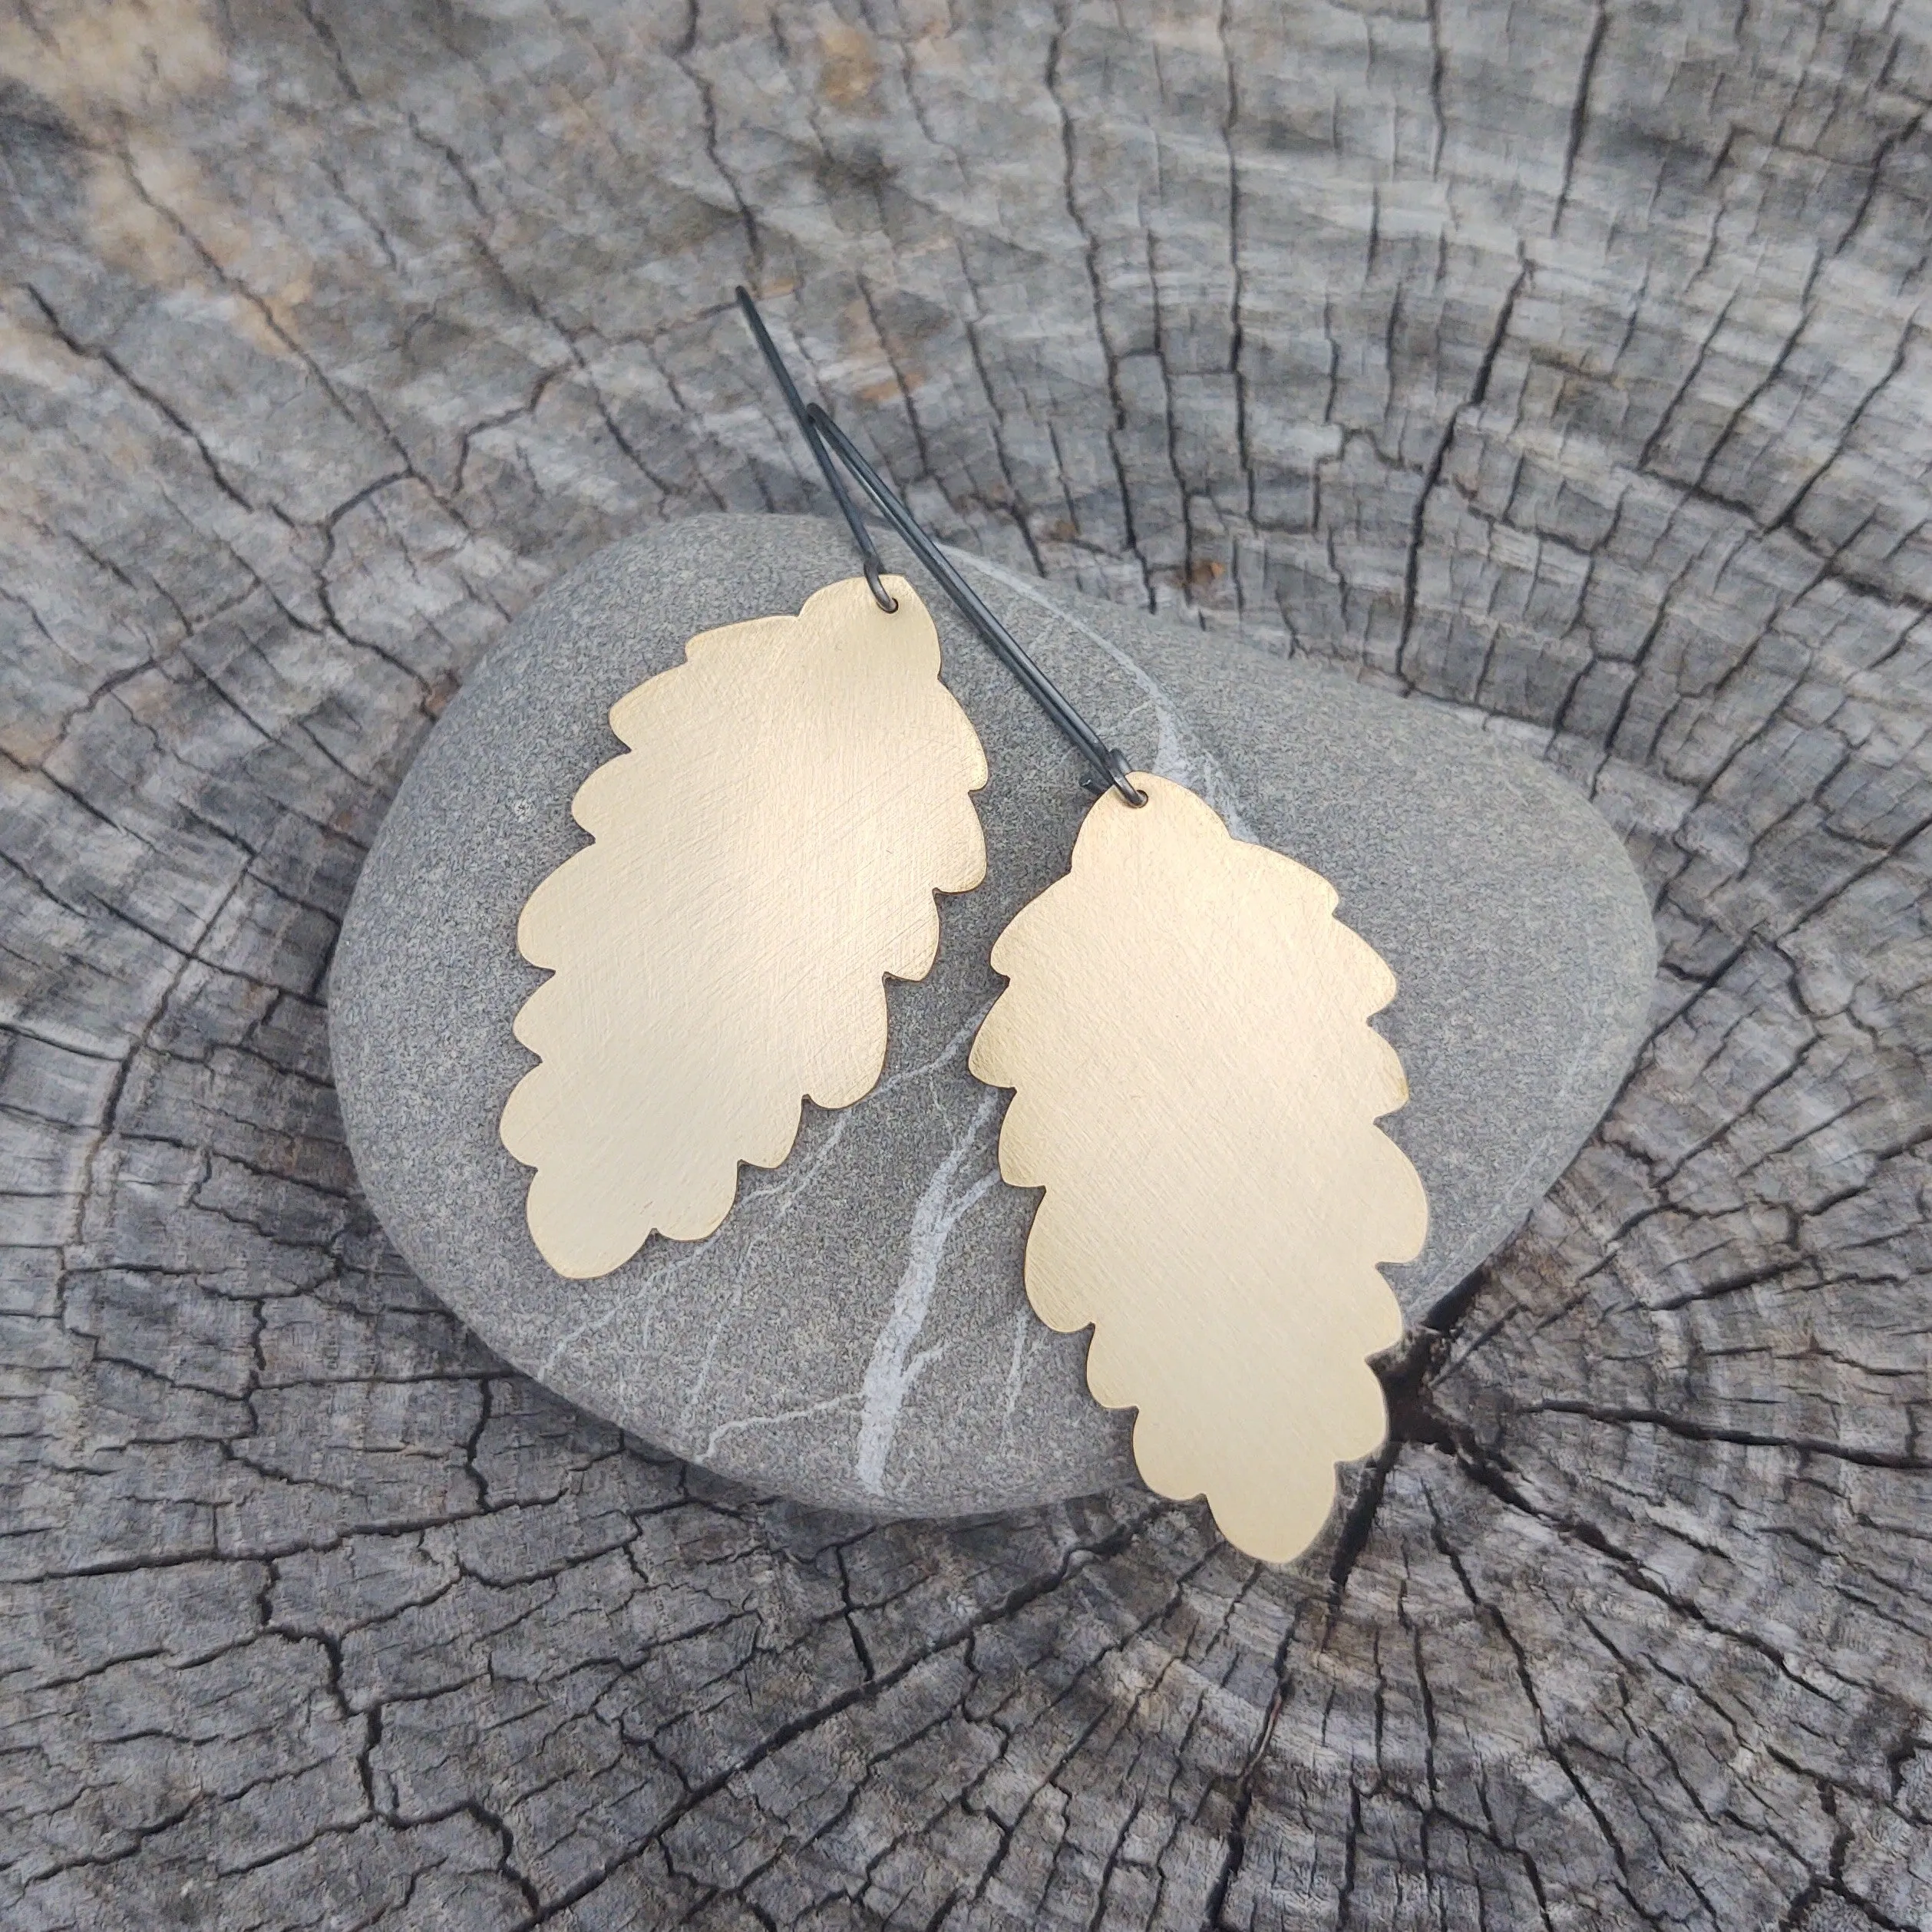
x: 1186, y: 1028
x: 763, y: 854
x: 1196, y: 1086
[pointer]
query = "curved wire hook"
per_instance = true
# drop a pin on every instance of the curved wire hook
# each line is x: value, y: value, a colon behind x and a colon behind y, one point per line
x: 868, y: 549
x: 1109, y: 765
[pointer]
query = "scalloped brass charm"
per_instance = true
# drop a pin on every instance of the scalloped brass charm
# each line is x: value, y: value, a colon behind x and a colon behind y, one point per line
x: 1196, y: 1089
x: 766, y: 852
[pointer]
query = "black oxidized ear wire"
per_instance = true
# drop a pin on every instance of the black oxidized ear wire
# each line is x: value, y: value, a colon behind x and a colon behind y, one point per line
x: 1108, y: 764
x: 861, y: 536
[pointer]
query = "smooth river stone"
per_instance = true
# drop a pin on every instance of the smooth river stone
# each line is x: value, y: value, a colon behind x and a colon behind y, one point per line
x: 856, y: 1334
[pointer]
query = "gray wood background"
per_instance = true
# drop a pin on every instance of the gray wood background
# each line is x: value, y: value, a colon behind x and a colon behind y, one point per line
x: 1564, y: 360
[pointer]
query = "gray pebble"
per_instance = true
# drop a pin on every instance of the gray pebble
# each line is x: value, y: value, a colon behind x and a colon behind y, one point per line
x: 856, y: 1335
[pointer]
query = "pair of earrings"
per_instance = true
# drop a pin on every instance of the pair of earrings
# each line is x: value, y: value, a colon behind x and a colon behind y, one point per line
x: 1184, y: 1026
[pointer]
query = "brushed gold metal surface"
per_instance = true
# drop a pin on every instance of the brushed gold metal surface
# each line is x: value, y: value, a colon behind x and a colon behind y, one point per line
x: 1196, y: 1086
x: 766, y: 852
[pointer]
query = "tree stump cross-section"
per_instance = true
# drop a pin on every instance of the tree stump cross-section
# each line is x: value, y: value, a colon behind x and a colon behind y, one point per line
x: 1562, y: 363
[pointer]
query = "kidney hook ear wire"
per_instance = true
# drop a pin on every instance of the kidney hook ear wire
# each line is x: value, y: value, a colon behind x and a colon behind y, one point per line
x: 1109, y: 765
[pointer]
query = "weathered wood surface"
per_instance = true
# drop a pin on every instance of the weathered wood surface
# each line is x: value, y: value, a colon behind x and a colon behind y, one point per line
x: 1562, y: 361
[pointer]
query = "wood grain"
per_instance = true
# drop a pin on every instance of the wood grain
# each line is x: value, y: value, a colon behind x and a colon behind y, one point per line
x: 763, y: 856
x: 1561, y: 362
x: 1197, y: 1087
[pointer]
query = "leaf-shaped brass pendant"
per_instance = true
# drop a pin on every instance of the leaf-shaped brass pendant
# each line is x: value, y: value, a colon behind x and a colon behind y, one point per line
x: 795, y: 793
x: 1196, y: 1090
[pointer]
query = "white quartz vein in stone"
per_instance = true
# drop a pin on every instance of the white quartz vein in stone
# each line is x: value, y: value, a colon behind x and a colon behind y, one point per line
x: 1178, y: 754
x: 1025, y: 1329
x: 679, y: 1261
x: 790, y: 1193
x: 830, y: 1404
x: 893, y: 1370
